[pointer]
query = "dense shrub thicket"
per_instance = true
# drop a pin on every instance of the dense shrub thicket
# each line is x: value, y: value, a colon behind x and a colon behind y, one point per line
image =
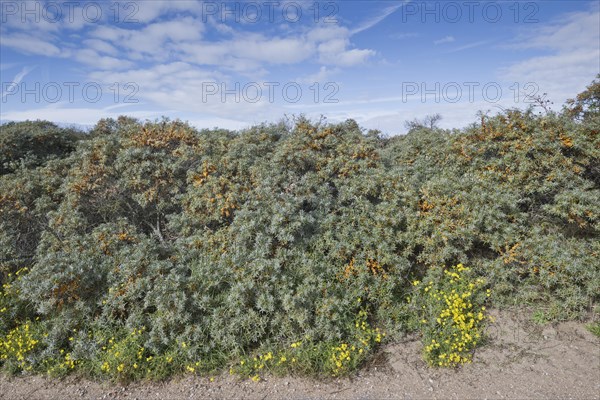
x: 146, y: 249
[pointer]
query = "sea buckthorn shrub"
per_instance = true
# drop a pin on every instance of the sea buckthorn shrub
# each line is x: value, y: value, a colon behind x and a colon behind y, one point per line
x: 547, y: 167
x: 27, y: 195
x: 33, y: 143
x: 222, y: 246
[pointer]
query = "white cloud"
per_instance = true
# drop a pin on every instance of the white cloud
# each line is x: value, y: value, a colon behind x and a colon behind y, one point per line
x: 323, y: 75
x: 91, y: 57
x: 204, y: 53
x: 185, y: 87
x: 34, y: 16
x: 88, y: 117
x: 181, y: 29
x: 210, y: 122
x: 29, y: 44
x: 158, y: 77
x: 390, y: 118
x: 573, y: 31
x: 323, y: 33
x: 27, y: 16
x: 152, y: 40
x: 333, y: 46
x: 246, y: 54
x: 171, y: 53
x: 149, y: 11
x: 446, y: 39
x: 173, y: 31
x: 249, y: 52
x: 271, y: 50
x: 561, y: 76
x: 335, y: 52
x: 101, y: 46
x: 574, y: 41
x: 353, y: 57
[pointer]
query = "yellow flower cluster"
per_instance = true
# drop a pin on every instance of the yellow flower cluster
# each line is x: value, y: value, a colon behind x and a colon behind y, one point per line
x: 262, y: 360
x: 341, y: 357
x: 346, y: 356
x: 337, y: 358
x: 255, y: 365
x: 452, y: 324
x: 191, y: 368
x: 8, y: 290
x: 17, y: 344
x: 69, y: 361
x: 126, y: 355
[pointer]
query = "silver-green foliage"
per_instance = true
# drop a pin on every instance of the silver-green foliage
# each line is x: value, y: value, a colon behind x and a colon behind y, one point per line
x: 234, y: 241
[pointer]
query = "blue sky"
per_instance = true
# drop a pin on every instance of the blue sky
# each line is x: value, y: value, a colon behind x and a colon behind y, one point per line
x: 234, y: 64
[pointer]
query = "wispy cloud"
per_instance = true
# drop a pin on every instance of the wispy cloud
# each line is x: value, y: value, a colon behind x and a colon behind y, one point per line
x: 371, y: 22
x: 29, y: 44
x: 577, y: 30
x: 446, y: 39
x: 16, y: 80
x: 404, y: 35
x: 468, y: 46
x: 574, y: 45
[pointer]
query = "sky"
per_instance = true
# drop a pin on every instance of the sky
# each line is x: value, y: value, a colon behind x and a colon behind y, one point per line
x: 236, y: 64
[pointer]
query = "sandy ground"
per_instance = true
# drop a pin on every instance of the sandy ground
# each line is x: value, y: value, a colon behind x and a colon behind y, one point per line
x: 522, y: 361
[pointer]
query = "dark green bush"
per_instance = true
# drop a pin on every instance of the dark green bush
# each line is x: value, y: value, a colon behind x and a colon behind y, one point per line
x: 32, y: 143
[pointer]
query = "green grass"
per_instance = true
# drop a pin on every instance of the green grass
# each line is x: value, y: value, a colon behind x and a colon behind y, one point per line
x: 539, y: 317
x: 594, y: 328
